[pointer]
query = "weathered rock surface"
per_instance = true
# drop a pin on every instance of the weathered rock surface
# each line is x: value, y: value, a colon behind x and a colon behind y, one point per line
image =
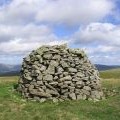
x: 59, y: 73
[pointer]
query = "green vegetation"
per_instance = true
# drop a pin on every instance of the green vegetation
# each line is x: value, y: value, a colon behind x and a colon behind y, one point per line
x: 13, y: 107
x: 114, y: 73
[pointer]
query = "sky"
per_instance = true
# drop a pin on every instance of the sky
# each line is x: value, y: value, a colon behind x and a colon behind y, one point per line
x: 91, y: 25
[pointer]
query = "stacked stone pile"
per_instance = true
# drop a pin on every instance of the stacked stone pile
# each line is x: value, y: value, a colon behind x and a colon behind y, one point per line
x: 59, y: 73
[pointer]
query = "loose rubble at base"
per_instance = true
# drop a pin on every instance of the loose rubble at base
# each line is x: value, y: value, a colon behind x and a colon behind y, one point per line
x: 59, y: 73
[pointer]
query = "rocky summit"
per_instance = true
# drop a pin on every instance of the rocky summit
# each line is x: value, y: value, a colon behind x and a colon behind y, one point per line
x: 59, y: 73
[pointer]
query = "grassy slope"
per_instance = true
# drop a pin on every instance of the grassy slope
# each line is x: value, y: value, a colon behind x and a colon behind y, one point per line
x: 114, y: 73
x: 13, y: 107
x: 110, y: 78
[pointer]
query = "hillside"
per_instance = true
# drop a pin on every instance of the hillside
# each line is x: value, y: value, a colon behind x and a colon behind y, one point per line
x: 6, y: 69
x: 113, y: 73
x: 106, y: 67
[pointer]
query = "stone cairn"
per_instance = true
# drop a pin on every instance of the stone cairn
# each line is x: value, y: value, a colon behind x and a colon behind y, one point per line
x: 59, y: 73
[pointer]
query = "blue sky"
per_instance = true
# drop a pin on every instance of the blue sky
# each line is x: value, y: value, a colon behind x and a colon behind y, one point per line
x: 26, y: 25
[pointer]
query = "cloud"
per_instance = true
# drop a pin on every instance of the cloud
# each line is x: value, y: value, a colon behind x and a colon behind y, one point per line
x: 75, y: 12
x: 106, y: 59
x: 70, y: 12
x: 11, y: 32
x: 20, y: 39
x: 99, y: 33
x: 19, y: 11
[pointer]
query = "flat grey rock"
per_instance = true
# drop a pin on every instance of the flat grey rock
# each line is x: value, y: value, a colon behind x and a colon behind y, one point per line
x: 73, y: 70
x: 48, y: 78
x: 72, y: 96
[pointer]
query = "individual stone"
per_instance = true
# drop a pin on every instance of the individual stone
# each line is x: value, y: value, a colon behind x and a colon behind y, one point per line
x: 76, y: 51
x: 72, y: 96
x: 89, y: 99
x: 56, y: 57
x: 42, y: 100
x: 54, y: 63
x: 50, y: 86
x: 20, y: 81
x: 72, y: 70
x: 52, y: 92
x: 65, y: 73
x: 72, y: 65
x: 79, y: 97
x: 64, y: 64
x: 40, y: 77
x: 85, y: 92
x: 26, y: 85
x: 48, y: 78
x: 87, y: 88
x: 55, y: 78
x: 79, y: 74
x: 64, y: 91
x: 75, y: 79
x: 27, y: 59
x: 62, y: 47
x: 85, y: 78
x: 42, y: 68
x: 66, y: 78
x: 55, y: 100
x: 41, y: 94
x: 37, y: 98
x: 79, y: 83
x: 95, y: 94
x: 71, y: 90
x: 53, y: 83
x: 96, y: 100
x: 51, y: 69
x: 40, y: 82
x: 84, y: 97
x: 38, y: 57
x: 41, y: 60
x: 35, y: 67
x: 40, y: 90
x: 88, y: 83
x: 67, y: 82
x: 47, y: 56
x: 60, y: 84
x: 26, y: 71
x: 63, y: 86
x: 35, y: 73
x: 61, y: 76
x: 54, y: 51
x: 59, y: 70
x: 27, y: 77
x: 31, y: 87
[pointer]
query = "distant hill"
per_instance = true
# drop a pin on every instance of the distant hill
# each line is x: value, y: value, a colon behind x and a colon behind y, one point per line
x: 7, y: 68
x: 106, y: 67
x: 10, y: 70
x: 12, y: 73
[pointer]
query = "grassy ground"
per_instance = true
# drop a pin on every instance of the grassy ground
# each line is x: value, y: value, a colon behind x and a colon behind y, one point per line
x: 114, y: 73
x: 13, y: 107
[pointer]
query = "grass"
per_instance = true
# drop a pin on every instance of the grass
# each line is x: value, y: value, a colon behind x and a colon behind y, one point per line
x: 13, y: 107
x: 108, y: 74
